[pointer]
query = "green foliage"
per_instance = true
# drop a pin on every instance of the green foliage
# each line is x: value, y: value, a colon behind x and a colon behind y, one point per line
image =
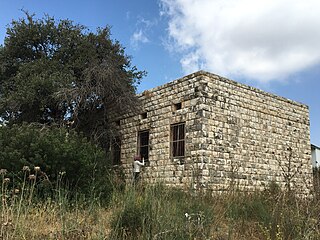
x: 60, y: 153
x: 157, y: 212
x: 132, y: 217
x: 316, y: 181
x: 280, y: 215
x: 51, y: 71
x: 250, y: 207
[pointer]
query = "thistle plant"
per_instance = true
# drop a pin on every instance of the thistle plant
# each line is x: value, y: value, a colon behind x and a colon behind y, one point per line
x: 26, y: 171
x: 5, y: 220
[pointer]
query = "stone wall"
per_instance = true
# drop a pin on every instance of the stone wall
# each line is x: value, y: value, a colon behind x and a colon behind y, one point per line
x: 235, y: 136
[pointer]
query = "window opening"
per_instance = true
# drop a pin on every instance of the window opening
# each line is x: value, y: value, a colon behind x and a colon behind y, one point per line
x: 143, y: 144
x: 177, y: 106
x: 178, y: 140
x: 144, y: 115
x: 116, y: 151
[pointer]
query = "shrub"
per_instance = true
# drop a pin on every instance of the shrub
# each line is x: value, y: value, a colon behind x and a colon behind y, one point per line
x: 60, y: 153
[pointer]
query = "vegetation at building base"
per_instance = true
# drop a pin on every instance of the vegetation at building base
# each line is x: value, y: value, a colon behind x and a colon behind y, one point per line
x: 62, y: 155
x: 161, y: 213
x: 154, y: 212
x: 316, y: 181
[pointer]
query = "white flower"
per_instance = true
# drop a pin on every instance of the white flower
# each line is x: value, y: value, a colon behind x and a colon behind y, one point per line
x: 6, y: 180
x: 26, y: 168
x: 37, y: 169
x: 32, y: 177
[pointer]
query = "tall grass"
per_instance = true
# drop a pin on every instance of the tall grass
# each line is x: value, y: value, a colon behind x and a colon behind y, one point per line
x: 151, y: 212
x: 156, y: 212
x: 29, y: 212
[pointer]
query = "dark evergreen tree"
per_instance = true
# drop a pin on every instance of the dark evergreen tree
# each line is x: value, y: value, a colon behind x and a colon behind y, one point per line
x: 57, y: 71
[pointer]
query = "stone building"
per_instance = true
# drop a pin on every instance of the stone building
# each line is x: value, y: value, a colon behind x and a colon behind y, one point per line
x: 315, y: 156
x: 206, y: 131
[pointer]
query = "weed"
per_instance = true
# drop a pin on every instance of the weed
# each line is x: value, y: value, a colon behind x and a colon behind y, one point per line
x: 150, y: 212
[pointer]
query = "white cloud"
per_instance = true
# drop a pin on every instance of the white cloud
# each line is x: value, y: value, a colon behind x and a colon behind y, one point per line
x: 262, y: 40
x: 138, y: 37
x: 143, y: 28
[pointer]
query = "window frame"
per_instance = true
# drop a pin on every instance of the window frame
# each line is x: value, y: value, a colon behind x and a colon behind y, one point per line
x: 175, y: 142
x: 147, y: 146
x: 116, y: 150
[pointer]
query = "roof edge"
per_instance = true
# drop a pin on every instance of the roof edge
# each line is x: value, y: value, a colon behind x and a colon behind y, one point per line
x: 242, y: 85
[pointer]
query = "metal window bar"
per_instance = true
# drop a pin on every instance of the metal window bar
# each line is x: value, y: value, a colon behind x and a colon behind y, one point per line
x: 178, y: 140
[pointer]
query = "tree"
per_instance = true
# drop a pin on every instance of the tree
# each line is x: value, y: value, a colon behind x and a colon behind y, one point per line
x: 57, y: 71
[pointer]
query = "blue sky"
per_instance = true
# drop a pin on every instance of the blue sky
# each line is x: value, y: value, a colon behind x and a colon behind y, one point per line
x: 270, y: 44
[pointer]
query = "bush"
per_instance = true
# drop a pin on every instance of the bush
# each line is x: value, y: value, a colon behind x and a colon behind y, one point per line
x: 60, y: 153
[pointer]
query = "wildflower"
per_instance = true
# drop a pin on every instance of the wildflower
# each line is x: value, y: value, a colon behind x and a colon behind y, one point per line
x: 37, y: 169
x: 16, y: 191
x: 26, y: 169
x: 3, y: 171
x: 32, y: 177
x: 6, y: 180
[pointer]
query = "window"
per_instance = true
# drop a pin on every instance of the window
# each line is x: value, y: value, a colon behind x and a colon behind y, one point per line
x: 144, y: 115
x: 143, y: 144
x: 116, y: 151
x: 177, y: 106
x: 177, y: 140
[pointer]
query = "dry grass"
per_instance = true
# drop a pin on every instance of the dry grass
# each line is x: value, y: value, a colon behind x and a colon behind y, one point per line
x: 49, y: 221
x: 156, y: 212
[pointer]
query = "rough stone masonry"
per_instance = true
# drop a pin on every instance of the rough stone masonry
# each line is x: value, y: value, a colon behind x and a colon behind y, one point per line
x: 207, y: 132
